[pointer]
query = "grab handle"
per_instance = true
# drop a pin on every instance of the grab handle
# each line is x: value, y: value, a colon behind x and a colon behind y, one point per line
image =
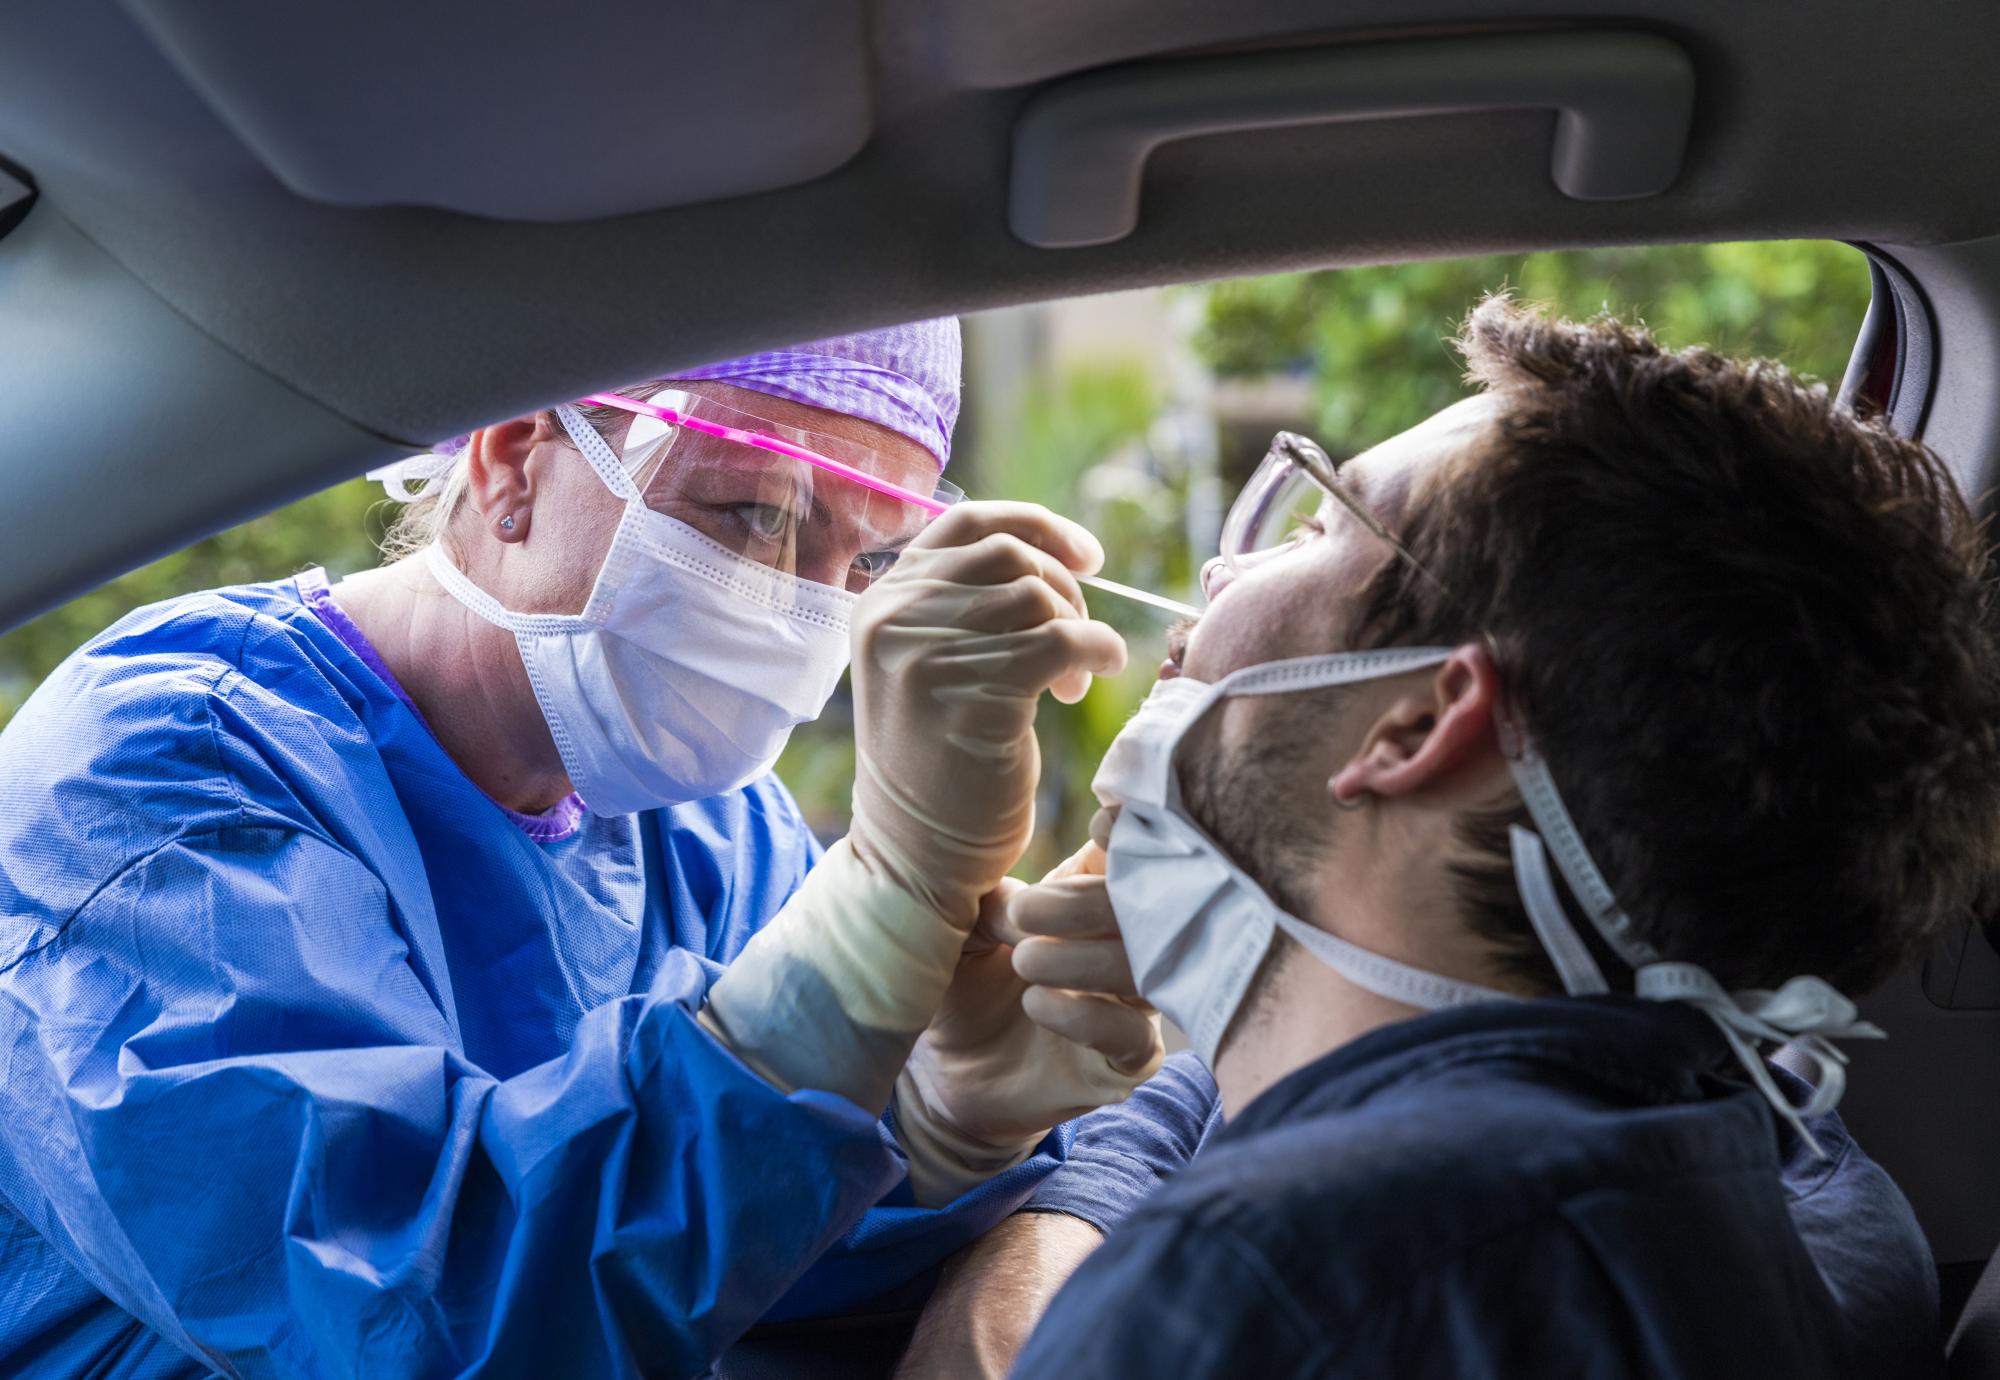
x: 1623, y: 101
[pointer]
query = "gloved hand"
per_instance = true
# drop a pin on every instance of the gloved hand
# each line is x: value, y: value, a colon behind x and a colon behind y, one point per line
x: 952, y: 649
x: 951, y: 652
x: 1041, y: 1023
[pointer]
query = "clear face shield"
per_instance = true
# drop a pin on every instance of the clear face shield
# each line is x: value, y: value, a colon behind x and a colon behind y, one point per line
x: 808, y: 504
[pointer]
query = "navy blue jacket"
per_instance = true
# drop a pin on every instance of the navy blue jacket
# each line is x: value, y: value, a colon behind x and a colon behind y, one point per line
x: 1551, y: 1188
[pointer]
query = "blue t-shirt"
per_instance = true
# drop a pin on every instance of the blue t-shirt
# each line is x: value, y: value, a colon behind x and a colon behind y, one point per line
x: 319, y: 1061
x: 1568, y: 1187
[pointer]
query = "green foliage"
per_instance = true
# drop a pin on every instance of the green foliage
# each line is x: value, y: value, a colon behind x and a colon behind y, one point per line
x: 1376, y: 341
x: 1064, y: 429
x: 331, y: 528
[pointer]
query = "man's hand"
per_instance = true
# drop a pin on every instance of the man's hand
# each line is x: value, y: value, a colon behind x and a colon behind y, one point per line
x: 1041, y: 1023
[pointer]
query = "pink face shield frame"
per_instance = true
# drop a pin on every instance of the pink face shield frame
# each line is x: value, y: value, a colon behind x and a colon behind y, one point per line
x: 777, y: 446
x: 928, y: 503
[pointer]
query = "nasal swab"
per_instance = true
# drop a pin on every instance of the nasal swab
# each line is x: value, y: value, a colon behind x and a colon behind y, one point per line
x: 1158, y: 601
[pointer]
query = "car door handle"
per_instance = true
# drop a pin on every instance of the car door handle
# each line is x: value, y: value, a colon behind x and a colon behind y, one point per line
x: 1623, y: 103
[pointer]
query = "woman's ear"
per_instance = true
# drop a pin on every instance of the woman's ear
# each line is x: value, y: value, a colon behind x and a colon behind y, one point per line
x: 498, y: 486
x: 1428, y: 734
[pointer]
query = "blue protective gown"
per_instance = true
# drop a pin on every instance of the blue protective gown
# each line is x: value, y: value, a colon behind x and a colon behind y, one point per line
x: 317, y: 1062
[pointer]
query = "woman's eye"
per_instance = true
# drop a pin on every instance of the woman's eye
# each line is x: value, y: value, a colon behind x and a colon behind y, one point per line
x: 765, y: 521
x: 867, y: 568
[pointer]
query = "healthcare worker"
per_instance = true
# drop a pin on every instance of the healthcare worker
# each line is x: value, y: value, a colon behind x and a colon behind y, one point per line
x: 362, y: 949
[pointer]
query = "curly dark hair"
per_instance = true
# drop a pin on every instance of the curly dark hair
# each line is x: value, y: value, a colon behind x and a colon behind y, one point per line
x: 1748, y: 630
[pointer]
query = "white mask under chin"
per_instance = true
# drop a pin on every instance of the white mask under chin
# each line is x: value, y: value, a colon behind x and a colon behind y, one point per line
x: 1196, y: 926
x: 687, y: 669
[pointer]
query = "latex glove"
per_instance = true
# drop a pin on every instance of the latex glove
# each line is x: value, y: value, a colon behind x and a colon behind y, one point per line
x: 1041, y: 1023
x: 952, y: 649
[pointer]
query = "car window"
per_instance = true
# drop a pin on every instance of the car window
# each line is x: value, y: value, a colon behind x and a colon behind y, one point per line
x: 1139, y: 414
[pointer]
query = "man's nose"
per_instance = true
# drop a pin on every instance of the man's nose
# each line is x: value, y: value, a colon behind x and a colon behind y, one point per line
x: 1216, y: 574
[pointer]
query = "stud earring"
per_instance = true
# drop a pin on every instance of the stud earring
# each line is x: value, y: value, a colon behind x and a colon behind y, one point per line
x: 507, y: 523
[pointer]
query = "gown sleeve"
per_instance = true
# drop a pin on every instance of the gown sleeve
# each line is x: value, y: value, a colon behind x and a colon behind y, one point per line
x: 1098, y: 1167
x: 234, y: 1102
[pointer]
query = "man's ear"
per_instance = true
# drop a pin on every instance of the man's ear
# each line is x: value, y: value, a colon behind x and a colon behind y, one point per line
x: 498, y: 486
x: 1428, y: 734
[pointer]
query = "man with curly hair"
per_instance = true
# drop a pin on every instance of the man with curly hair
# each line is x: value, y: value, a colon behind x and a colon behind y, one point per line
x: 1617, y: 721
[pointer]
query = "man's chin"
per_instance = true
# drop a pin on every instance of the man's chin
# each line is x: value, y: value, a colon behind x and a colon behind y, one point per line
x: 1239, y: 799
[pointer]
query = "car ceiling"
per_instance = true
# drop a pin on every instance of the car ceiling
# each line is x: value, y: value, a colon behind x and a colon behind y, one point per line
x: 637, y: 187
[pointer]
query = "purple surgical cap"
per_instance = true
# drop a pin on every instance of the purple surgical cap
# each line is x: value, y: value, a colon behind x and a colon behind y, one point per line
x: 905, y: 378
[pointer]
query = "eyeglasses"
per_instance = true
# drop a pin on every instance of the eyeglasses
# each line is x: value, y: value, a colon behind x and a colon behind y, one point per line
x: 1296, y: 489
x: 814, y: 505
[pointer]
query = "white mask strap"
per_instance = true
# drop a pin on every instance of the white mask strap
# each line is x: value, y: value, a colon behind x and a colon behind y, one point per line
x: 1385, y: 977
x: 462, y: 589
x: 1586, y: 883
x: 1806, y: 1012
x: 397, y: 476
x: 1579, y: 972
x: 1334, y: 668
x: 1281, y: 678
x: 598, y: 452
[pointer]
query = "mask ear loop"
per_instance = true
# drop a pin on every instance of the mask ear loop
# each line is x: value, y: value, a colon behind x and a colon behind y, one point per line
x: 597, y: 451
x: 1581, y: 977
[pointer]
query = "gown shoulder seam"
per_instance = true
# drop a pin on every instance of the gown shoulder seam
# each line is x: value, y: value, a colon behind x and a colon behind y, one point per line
x: 208, y: 829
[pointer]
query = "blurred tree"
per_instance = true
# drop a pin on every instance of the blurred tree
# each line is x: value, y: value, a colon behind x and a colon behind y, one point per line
x: 1376, y: 341
x: 335, y: 528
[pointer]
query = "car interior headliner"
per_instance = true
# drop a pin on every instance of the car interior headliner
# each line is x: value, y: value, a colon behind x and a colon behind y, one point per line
x: 154, y: 127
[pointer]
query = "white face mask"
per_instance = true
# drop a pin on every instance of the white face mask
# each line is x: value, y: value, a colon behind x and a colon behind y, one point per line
x: 687, y: 669
x: 1196, y: 926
